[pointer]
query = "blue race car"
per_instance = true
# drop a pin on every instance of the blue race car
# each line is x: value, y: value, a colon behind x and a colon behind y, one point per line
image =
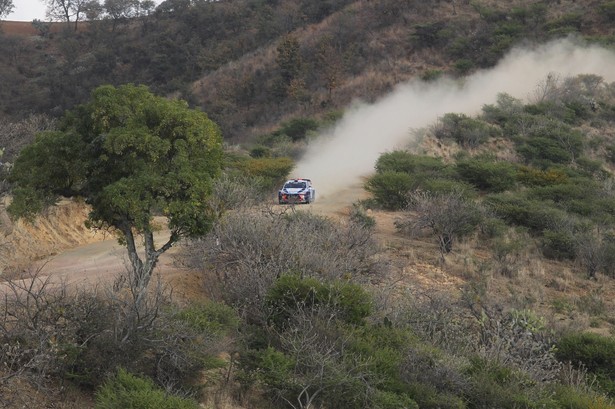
x: 297, y: 191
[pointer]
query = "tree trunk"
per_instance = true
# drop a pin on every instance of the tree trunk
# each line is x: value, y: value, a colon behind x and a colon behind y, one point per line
x: 141, y: 274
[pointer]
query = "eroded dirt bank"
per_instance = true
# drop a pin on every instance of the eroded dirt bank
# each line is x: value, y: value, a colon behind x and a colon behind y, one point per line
x: 58, y: 229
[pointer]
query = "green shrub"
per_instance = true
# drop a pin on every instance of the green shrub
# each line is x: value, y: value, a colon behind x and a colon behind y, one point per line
x: 530, y: 176
x: 549, y: 141
x: 273, y: 170
x: 298, y: 128
x: 595, y: 352
x: 487, y: 175
x: 558, y: 245
x: 520, y: 211
x: 129, y: 391
x: 610, y: 154
x: 390, y: 189
x: 290, y: 293
x: 359, y: 216
x: 463, y: 66
x: 428, y: 34
x: 543, y: 152
x: 260, y: 151
x: 429, y: 397
x: 564, y: 192
x: 392, y: 400
x: 568, y: 23
x: 274, y: 367
x: 493, y: 227
x: 503, y: 110
x: 442, y: 186
x: 608, y: 9
x: 466, y: 131
x: 573, y: 398
x: 590, y: 167
x: 495, y: 385
x: 581, y: 196
x: 431, y: 75
x: 210, y: 317
x: 403, y: 161
x: 490, y: 15
x: 609, y: 261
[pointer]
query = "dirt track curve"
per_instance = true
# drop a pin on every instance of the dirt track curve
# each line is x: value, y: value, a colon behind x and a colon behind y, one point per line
x: 99, y: 263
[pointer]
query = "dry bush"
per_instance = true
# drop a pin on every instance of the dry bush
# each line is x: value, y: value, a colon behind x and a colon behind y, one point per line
x: 247, y: 251
x: 519, y: 339
x: 439, y: 319
x: 476, y: 326
x: 135, y: 315
x: 50, y: 330
x: 15, y: 135
x: 42, y: 323
x: 448, y: 216
x: 237, y: 191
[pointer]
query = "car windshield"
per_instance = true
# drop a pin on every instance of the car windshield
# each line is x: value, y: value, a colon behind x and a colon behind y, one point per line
x: 294, y: 185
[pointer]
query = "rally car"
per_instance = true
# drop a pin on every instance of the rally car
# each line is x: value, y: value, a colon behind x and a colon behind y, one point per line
x: 297, y: 191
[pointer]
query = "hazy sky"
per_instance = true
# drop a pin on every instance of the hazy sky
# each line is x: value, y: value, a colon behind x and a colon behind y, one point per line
x: 27, y: 10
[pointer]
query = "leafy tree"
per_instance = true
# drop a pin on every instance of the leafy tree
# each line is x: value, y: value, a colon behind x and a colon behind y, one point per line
x: 289, y: 59
x: 120, y: 9
x: 329, y: 58
x: 66, y: 10
x: 6, y: 7
x: 298, y: 128
x: 130, y: 155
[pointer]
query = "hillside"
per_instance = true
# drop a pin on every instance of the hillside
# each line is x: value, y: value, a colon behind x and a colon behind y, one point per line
x: 333, y: 54
x: 461, y: 251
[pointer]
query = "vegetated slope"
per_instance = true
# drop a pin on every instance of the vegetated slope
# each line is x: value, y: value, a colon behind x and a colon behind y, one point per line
x: 256, y: 63
x: 407, y: 353
x: 362, y: 51
x: 540, y: 175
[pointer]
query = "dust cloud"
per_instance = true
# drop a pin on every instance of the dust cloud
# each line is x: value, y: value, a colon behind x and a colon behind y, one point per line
x: 341, y: 157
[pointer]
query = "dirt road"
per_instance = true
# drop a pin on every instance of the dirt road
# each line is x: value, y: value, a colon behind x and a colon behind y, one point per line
x: 101, y: 262
x: 97, y: 262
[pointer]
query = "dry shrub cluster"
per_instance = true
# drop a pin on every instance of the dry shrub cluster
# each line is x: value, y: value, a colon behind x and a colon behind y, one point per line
x: 42, y: 325
x: 53, y: 332
x: 478, y: 327
x: 248, y: 250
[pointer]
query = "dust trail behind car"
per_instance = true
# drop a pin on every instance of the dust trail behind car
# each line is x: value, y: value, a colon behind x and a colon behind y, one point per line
x: 338, y: 159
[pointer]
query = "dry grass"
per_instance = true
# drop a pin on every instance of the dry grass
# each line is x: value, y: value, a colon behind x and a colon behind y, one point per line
x: 25, y: 28
x: 554, y: 290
